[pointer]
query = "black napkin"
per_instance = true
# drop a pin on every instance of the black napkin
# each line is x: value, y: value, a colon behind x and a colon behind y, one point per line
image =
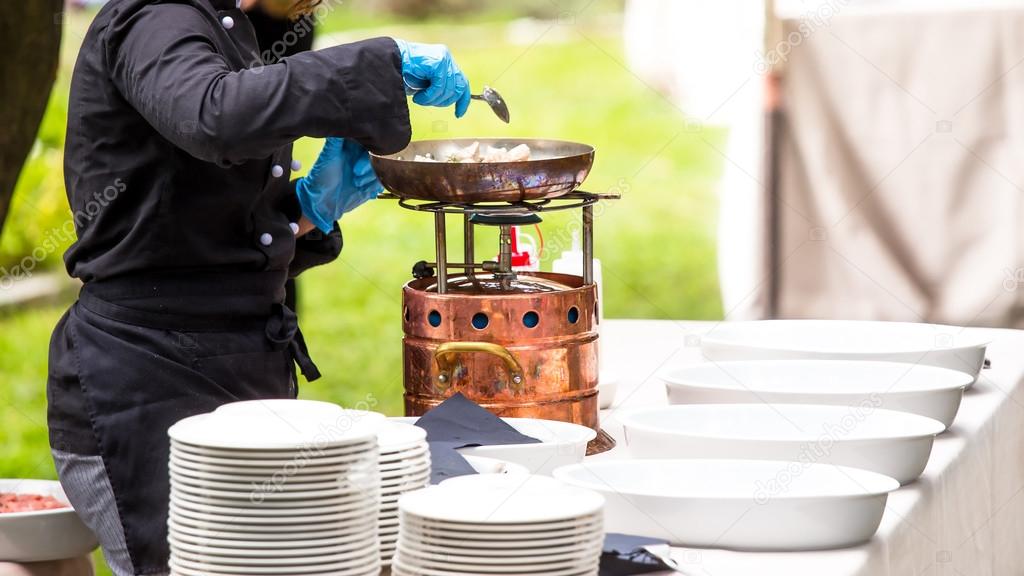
x: 623, y: 555
x: 459, y: 422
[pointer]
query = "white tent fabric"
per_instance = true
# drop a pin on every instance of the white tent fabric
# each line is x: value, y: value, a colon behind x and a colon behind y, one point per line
x: 902, y: 186
x: 705, y: 55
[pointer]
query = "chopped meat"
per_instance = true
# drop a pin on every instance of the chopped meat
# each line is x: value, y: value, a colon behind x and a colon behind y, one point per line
x: 477, y: 153
x: 10, y: 502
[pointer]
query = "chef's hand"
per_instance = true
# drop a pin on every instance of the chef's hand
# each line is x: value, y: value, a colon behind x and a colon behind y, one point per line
x: 433, y: 76
x: 340, y: 180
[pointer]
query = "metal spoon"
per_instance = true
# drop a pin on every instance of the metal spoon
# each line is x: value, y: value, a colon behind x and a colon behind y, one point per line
x: 489, y: 95
x: 495, y: 101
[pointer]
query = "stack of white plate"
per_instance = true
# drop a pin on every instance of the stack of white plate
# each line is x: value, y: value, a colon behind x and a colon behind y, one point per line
x: 404, y: 467
x: 499, y: 524
x: 275, y: 487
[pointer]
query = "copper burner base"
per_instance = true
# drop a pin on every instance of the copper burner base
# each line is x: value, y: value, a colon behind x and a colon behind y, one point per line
x: 603, y: 443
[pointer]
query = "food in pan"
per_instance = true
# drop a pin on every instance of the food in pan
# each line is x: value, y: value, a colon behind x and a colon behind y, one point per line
x: 10, y: 502
x: 477, y: 153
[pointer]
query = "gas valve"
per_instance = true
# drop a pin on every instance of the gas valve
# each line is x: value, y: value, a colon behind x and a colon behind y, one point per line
x: 422, y: 269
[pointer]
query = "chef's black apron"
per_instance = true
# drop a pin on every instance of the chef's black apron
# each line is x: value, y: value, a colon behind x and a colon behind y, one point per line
x: 127, y: 363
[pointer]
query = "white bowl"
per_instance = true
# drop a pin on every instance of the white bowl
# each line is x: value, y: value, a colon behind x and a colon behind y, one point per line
x: 607, y: 386
x: 561, y: 443
x: 484, y: 465
x: 929, y: 344
x: 45, y: 534
x: 892, y: 443
x: 740, y: 504
x: 925, y: 390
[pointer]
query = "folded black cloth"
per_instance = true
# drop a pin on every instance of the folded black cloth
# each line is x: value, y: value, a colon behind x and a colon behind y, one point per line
x: 623, y: 555
x: 459, y: 422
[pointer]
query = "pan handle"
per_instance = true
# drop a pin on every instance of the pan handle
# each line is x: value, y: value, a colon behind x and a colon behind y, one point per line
x: 444, y: 353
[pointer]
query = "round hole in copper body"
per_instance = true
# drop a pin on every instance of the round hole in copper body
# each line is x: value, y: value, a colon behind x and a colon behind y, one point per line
x: 574, y: 315
x: 434, y: 318
x: 480, y: 321
x: 531, y: 319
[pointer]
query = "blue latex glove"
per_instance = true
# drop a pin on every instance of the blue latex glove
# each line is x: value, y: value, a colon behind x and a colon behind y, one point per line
x: 340, y: 180
x: 433, y: 77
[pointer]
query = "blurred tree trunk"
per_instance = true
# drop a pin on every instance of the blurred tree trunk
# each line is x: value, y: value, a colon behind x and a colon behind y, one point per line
x: 31, y: 31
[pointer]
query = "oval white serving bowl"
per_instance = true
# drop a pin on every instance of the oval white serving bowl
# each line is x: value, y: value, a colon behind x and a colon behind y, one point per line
x: 915, y: 343
x: 607, y: 388
x: 44, y: 534
x: 892, y: 443
x: 924, y: 390
x: 561, y: 443
x: 484, y: 465
x: 739, y: 504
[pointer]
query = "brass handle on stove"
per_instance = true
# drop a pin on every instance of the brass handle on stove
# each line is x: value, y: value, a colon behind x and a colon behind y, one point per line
x: 446, y: 351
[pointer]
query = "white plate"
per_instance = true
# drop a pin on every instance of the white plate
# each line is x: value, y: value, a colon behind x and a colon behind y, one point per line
x: 259, y: 568
x: 503, y: 531
x: 262, y: 544
x: 397, y: 436
x: 201, y: 474
x: 413, y: 468
x: 285, y: 484
x: 372, y: 570
x: 258, y: 512
x: 495, y: 498
x: 397, y: 465
x: 498, y: 565
x: 402, y: 567
x: 949, y: 347
x: 410, y: 452
x: 303, y: 528
x: 284, y: 465
x: 740, y: 504
x: 254, y: 501
x: 560, y: 443
x: 354, y: 486
x: 460, y: 545
x: 895, y: 444
x: 276, y: 425
x: 925, y: 390
x: 365, y: 517
x: 283, y: 535
x: 300, y: 554
x: 44, y: 534
x: 305, y: 454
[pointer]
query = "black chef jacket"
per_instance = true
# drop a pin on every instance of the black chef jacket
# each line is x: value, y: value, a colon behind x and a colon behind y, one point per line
x: 178, y: 149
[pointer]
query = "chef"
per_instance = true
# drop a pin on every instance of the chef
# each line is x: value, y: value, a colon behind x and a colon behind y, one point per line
x: 177, y: 166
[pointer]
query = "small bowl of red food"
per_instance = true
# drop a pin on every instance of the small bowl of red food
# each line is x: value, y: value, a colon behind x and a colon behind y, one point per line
x: 37, y: 523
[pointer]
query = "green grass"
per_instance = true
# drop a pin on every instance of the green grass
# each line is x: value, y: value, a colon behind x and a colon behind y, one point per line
x: 656, y: 243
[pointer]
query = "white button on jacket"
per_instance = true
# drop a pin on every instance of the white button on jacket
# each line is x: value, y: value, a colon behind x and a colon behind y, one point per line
x: 266, y: 239
x: 227, y: 22
x: 277, y: 171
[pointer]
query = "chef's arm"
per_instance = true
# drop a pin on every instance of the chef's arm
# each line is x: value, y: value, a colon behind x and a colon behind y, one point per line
x: 313, y: 247
x: 166, y: 66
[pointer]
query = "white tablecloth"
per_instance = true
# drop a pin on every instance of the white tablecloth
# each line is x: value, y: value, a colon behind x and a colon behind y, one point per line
x: 964, y: 516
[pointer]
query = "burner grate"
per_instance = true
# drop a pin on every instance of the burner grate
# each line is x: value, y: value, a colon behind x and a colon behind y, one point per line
x: 570, y: 201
